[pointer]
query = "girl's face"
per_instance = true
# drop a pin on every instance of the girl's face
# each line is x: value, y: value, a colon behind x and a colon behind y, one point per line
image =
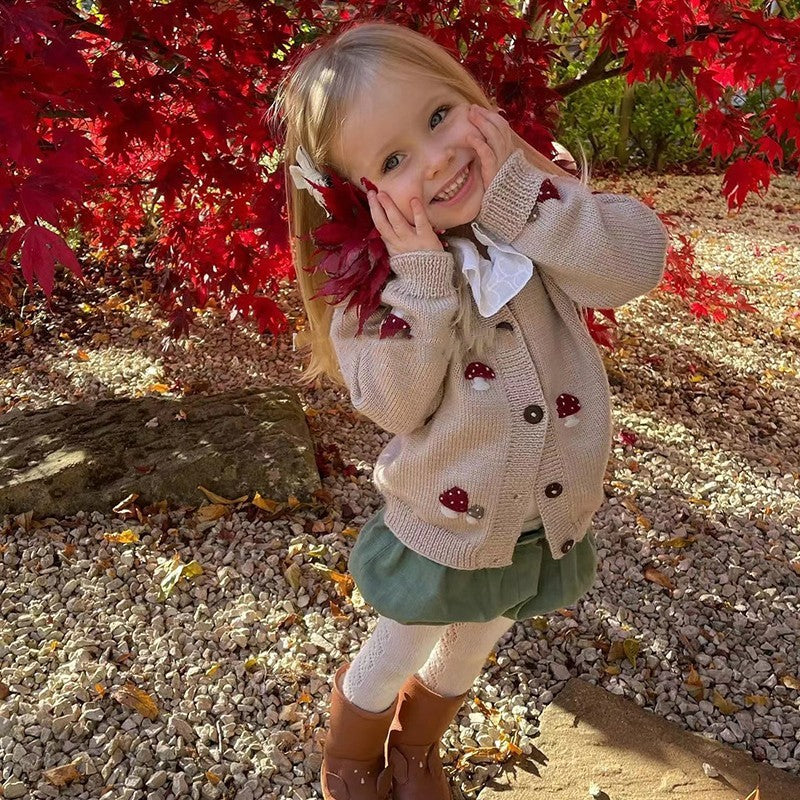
x: 409, y: 137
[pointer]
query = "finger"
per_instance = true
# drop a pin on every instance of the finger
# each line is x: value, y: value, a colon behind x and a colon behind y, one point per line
x: 491, y: 131
x: 486, y: 156
x: 496, y: 130
x: 379, y: 215
x: 396, y: 218
x: 421, y: 221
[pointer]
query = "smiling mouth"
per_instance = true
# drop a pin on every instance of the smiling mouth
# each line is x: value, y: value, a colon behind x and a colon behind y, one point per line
x: 454, y: 187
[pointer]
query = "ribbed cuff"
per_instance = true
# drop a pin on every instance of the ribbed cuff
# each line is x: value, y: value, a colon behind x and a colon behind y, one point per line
x: 511, y: 196
x: 425, y: 273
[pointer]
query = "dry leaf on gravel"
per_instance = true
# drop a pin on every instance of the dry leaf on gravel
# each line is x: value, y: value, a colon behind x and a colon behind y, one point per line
x: 344, y: 583
x: 63, y: 775
x: 174, y: 569
x: 215, y: 498
x: 137, y: 699
x: 265, y: 505
x: 694, y: 685
x: 123, y: 537
x: 654, y: 575
x: 723, y: 704
x: 211, y: 512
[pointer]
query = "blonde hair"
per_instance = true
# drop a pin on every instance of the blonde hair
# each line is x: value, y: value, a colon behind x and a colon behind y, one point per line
x: 313, y: 101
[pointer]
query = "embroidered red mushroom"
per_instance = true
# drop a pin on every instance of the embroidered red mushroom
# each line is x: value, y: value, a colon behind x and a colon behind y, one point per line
x: 454, y: 502
x: 547, y: 191
x: 568, y: 407
x: 393, y: 326
x: 479, y: 374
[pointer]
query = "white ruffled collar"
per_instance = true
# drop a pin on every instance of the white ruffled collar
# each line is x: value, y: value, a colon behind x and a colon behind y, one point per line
x: 494, y: 281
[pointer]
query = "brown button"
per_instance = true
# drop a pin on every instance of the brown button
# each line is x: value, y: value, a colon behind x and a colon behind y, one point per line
x: 567, y: 546
x: 533, y: 414
x: 553, y: 489
x: 506, y: 326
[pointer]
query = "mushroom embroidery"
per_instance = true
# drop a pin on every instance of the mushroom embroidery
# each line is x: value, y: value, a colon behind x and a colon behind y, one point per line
x: 454, y: 502
x: 568, y: 407
x: 547, y: 191
x: 394, y: 326
x: 479, y: 374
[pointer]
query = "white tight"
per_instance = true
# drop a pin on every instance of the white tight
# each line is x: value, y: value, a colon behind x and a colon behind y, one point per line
x: 447, y: 659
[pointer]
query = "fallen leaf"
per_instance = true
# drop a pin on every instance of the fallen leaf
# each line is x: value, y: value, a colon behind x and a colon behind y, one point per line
x: 652, y: 574
x: 724, y: 705
x: 293, y: 574
x: 215, y: 498
x: 126, y: 506
x: 694, y: 685
x: 133, y: 697
x: 350, y: 532
x: 158, y: 387
x: 679, y: 541
x: 214, y: 779
x: 790, y: 681
x: 124, y: 537
x: 212, y: 670
x: 24, y: 520
x: 616, y: 652
x: 292, y: 502
x: 631, y: 648
x: 630, y: 504
x: 612, y: 669
x: 336, y: 612
x: 324, y: 496
x: 756, y: 699
x: 100, y: 689
x: 264, y: 504
x: 64, y: 775
x: 644, y: 522
x: 174, y: 569
x: 211, y: 512
x: 344, y: 583
x: 82, y: 355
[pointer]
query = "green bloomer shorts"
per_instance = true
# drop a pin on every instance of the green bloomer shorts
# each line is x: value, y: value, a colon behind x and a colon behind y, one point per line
x: 411, y: 589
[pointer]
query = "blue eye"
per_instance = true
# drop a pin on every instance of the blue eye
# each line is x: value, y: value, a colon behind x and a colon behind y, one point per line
x: 386, y: 168
x: 439, y: 111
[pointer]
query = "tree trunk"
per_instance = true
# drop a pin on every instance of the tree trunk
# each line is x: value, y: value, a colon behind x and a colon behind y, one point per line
x: 625, y: 115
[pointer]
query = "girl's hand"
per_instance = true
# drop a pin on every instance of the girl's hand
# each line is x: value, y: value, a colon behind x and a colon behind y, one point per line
x: 399, y: 235
x: 494, y: 141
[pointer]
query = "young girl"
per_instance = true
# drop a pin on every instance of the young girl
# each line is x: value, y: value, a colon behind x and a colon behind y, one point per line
x: 464, y: 337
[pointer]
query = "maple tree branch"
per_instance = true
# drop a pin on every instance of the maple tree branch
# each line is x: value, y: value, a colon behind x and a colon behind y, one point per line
x: 595, y: 72
x: 161, y: 55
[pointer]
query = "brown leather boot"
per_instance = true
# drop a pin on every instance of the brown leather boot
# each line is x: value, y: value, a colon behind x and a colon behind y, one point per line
x: 413, y: 743
x: 353, y: 763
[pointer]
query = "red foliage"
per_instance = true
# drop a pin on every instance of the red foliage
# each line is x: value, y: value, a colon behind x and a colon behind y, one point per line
x: 143, y: 127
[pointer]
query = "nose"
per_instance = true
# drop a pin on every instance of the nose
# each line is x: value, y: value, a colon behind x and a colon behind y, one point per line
x: 438, y: 160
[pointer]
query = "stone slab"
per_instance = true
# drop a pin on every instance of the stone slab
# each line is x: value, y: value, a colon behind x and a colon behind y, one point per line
x: 90, y: 456
x: 590, y: 736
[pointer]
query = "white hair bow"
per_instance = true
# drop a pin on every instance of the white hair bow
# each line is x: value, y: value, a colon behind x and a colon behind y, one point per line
x: 304, y: 173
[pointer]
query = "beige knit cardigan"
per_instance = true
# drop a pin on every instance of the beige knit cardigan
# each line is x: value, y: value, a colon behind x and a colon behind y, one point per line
x: 468, y: 456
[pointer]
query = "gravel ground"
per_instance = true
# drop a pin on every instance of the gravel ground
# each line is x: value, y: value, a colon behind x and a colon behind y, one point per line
x: 695, y: 613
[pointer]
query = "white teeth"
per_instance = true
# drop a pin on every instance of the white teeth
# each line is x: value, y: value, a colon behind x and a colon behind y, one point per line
x: 453, y: 188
